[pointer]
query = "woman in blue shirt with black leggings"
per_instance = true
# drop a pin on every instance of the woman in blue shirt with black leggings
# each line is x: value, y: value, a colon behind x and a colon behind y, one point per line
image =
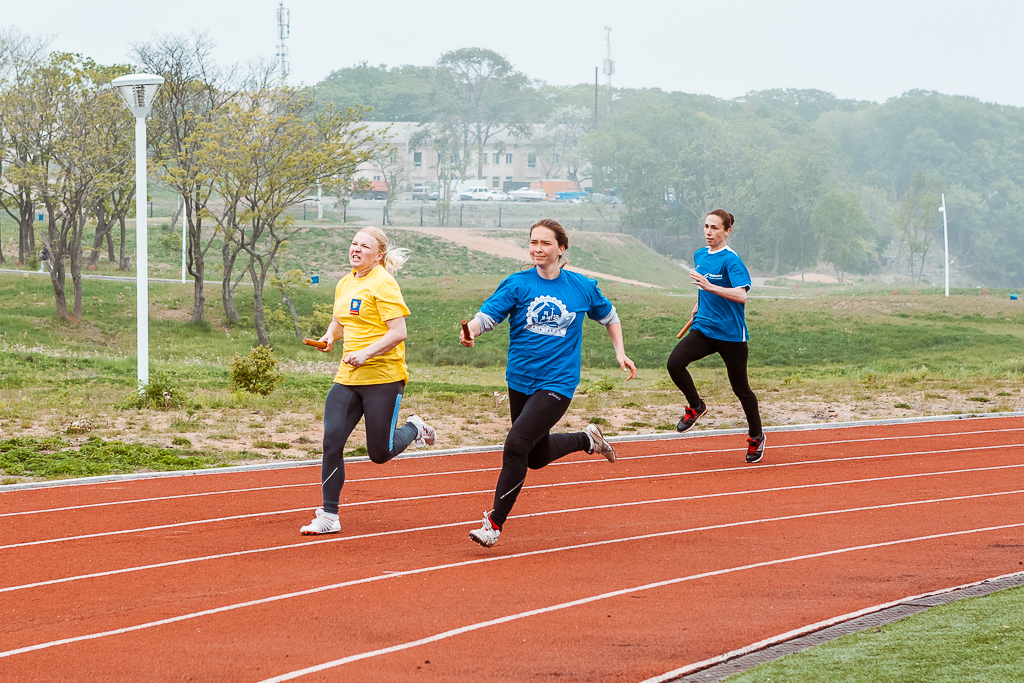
x: 718, y: 327
x: 545, y: 306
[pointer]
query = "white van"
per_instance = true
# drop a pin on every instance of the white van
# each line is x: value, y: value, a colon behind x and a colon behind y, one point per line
x: 475, y: 194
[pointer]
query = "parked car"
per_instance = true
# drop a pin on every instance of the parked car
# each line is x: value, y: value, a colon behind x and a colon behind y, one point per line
x: 424, y: 192
x: 497, y: 196
x: 525, y: 194
x: 574, y: 197
x: 472, y: 194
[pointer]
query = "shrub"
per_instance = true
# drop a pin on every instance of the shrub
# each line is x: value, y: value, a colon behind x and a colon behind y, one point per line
x: 161, y: 392
x: 257, y: 372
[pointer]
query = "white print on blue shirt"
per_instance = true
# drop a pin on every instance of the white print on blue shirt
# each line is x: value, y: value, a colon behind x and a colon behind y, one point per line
x: 547, y: 315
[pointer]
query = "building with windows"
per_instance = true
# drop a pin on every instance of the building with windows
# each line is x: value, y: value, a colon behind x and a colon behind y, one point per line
x: 506, y: 162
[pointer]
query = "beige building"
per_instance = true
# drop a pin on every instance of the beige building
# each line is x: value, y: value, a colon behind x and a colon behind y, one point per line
x: 507, y: 159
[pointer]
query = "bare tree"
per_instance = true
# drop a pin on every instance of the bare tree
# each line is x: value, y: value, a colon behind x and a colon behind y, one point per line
x: 558, y: 146
x: 392, y: 168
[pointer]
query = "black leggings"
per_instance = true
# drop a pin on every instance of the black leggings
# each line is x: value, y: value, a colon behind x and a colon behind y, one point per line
x: 345, y: 406
x: 695, y: 346
x: 531, y: 445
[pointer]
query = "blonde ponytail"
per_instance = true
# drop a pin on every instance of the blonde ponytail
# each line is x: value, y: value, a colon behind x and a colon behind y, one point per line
x: 394, y: 257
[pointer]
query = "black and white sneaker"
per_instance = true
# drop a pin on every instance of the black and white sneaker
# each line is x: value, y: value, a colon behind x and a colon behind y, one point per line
x: 755, y: 448
x: 690, y: 417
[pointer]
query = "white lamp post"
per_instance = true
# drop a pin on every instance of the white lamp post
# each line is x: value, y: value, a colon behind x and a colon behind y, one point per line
x: 945, y: 238
x: 138, y: 92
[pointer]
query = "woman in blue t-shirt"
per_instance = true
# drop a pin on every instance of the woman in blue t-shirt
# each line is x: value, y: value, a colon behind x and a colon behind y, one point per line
x: 545, y: 307
x: 718, y: 327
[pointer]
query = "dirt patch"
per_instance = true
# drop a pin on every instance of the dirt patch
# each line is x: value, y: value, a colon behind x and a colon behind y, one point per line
x: 813, y: 277
x: 296, y: 433
x: 508, y: 248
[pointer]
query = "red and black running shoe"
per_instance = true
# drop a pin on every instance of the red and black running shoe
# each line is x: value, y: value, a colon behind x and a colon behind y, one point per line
x: 755, y: 449
x: 690, y: 417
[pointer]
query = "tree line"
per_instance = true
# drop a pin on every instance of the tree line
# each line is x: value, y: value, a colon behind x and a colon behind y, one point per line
x: 814, y: 180
x: 237, y: 147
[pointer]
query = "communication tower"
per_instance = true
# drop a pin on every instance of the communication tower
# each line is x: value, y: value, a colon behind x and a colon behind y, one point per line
x: 284, y: 16
x: 609, y: 64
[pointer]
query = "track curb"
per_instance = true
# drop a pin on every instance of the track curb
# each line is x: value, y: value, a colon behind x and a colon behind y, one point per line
x: 495, y: 448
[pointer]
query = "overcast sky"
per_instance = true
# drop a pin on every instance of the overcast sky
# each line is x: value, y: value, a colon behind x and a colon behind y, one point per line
x: 862, y: 49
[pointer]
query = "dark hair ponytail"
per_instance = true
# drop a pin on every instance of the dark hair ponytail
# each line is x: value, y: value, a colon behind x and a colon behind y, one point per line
x: 727, y: 218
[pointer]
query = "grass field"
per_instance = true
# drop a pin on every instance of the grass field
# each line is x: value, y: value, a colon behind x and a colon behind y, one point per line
x: 978, y: 640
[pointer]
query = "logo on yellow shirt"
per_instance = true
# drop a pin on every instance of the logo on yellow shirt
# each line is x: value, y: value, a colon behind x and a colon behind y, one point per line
x: 353, y: 308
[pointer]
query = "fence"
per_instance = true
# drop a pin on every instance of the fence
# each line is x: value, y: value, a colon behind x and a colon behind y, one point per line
x: 490, y: 215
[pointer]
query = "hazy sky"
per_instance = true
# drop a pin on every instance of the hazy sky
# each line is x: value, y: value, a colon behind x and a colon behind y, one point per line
x: 863, y: 49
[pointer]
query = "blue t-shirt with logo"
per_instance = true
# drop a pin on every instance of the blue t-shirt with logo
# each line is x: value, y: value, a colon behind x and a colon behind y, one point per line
x: 546, y: 327
x: 718, y: 317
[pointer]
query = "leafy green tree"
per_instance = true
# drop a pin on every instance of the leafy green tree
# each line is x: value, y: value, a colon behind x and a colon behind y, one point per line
x: 194, y: 90
x: 76, y: 120
x: 401, y: 93
x: 916, y: 220
x: 787, y: 185
x: 479, y: 94
x: 267, y: 149
x: 20, y: 56
x: 845, y: 231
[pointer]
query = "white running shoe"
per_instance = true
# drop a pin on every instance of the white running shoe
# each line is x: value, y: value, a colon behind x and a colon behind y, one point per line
x: 598, y: 443
x: 486, y: 536
x: 425, y: 434
x: 321, y: 524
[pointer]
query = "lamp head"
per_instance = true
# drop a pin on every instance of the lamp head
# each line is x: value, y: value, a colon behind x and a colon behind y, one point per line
x: 138, y: 91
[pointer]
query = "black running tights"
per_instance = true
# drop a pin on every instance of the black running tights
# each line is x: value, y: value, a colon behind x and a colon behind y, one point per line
x: 695, y: 346
x: 345, y: 406
x: 531, y: 445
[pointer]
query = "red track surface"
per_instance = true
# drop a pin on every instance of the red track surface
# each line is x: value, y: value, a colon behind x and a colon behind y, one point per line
x: 675, y: 554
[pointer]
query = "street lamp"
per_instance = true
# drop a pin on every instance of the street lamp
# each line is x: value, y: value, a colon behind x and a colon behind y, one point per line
x: 138, y: 92
x: 945, y: 238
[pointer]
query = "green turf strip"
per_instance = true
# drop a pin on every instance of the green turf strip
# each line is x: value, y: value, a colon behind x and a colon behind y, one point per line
x: 980, y: 640
x: 54, y: 458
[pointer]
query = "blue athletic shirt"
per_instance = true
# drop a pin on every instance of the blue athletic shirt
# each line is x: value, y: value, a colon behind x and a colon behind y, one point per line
x: 718, y: 317
x: 545, y: 327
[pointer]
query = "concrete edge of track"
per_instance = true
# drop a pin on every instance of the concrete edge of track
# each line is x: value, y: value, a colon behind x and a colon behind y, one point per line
x: 731, y: 663
x: 488, y: 449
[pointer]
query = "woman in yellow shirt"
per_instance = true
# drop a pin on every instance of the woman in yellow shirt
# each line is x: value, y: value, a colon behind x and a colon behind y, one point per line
x: 369, y: 314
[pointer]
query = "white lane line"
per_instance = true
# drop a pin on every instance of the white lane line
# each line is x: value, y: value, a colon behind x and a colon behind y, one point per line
x: 614, y: 594
x: 484, y: 560
x: 495, y: 469
x: 582, y: 482
x: 448, y: 525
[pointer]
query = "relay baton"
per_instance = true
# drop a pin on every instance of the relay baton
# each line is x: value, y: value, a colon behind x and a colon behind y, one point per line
x: 313, y: 342
x: 686, y: 327
x: 465, y: 330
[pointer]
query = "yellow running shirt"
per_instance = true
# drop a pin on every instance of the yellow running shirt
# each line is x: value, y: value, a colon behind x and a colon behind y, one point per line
x: 362, y: 306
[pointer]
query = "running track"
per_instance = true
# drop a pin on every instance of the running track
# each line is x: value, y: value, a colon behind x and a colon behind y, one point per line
x: 636, y: 571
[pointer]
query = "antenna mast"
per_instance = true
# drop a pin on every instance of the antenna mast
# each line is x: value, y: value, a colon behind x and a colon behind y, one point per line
x: 609, y: 65
x: 283, y: 31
